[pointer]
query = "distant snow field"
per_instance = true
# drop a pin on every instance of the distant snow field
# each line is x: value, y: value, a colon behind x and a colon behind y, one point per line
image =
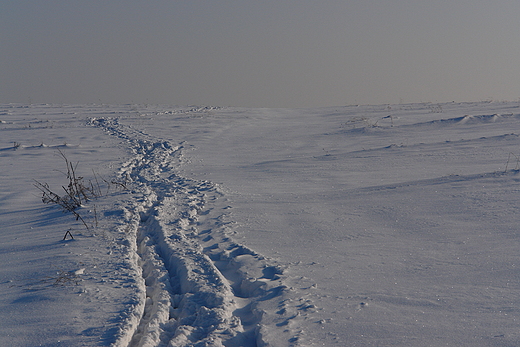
x: 389, y: 225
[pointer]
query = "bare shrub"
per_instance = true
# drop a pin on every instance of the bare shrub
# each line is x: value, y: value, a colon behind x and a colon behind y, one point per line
x: 77, y: 191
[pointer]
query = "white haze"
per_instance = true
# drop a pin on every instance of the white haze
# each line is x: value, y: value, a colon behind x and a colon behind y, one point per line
x: 259, y: 54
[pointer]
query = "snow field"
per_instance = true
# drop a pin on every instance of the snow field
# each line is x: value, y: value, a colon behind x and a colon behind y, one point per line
x: 56, y: 292
x: 347, y: 226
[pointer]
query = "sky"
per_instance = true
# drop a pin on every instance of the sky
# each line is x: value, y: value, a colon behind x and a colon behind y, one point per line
x: 259, y: 53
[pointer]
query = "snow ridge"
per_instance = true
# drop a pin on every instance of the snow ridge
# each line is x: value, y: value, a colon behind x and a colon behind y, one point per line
x: 198, y: 287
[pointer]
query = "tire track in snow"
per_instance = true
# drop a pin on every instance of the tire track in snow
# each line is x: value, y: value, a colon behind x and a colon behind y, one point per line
x: 199, y: 287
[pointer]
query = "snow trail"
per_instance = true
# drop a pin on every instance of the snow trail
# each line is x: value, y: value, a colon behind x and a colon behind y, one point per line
x: 198, y: 287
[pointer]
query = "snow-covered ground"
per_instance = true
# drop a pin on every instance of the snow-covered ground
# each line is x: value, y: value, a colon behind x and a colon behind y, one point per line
x: 390, y: 225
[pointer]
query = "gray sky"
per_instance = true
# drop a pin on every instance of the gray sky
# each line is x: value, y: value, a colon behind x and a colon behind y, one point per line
x: 282, y: 53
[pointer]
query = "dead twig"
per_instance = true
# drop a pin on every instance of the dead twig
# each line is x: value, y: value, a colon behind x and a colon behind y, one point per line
x: 68, y: 233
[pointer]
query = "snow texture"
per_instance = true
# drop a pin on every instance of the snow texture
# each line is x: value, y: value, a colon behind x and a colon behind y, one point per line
x: 386, y: 225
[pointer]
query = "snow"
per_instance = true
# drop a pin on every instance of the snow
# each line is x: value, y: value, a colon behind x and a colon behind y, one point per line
x: 381, y: 225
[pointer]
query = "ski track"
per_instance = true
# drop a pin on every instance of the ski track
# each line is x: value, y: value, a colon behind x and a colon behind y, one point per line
x: 198, y: 287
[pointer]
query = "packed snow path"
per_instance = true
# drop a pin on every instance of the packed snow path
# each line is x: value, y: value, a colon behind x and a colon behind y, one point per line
x: 200, y: 288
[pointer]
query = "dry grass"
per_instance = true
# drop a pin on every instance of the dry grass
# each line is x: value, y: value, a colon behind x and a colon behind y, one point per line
x: 77, y: 192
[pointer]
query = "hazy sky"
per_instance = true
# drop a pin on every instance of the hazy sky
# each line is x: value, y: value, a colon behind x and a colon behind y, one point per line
x: 262, y: 53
